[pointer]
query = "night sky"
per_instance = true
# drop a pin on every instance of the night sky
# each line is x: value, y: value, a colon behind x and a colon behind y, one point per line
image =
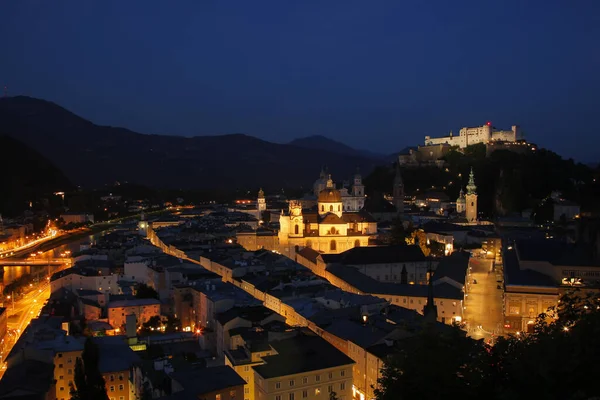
x: 378, y: 75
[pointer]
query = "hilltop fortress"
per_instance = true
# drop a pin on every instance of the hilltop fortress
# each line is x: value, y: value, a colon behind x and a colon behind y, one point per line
x: 479, y: 134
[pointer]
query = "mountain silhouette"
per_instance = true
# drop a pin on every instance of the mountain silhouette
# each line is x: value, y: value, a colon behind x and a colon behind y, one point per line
x: 91, y: 155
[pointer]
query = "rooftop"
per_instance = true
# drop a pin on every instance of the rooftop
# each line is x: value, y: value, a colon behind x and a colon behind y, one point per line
x: 206, y: 380
x: 363, y: 335
x: 382, y: 255
x: 369, y: 285
x: 29, y: 380
x: 308, y: 352
x: 514, y: 275
x: 115, y: 354
x: 252, y: 314
x: 453, y: 266
x: 133, y: 303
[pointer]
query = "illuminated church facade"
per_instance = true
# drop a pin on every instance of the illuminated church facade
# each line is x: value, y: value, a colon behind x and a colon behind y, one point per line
x: 330, y: 228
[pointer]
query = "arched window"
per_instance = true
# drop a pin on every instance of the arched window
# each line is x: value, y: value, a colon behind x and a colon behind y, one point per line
x: 331, y: 208
x: 472, y: 204
x: 296, y: 229
x: 332, y: 246
x: 357, y: 243
x: 322, y: 208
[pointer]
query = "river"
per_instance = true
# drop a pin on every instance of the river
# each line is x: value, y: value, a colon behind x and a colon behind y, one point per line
x: 12, y: 273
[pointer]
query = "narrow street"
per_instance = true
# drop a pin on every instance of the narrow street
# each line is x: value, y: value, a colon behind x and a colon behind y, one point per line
x: 483, y: 302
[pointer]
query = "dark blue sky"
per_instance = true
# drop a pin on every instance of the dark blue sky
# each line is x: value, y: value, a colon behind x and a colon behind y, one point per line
x: 378, y: 75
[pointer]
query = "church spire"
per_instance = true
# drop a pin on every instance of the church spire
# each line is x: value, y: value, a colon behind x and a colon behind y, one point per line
x: 471, y: 187
x: 398, y: 191
x: 261, y: 194
x: 430, y: 309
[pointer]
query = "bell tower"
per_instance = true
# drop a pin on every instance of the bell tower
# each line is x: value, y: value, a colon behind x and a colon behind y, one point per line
x: 296, y: 227
x: 398, y: 191
x: 261, y: 204
x: 358, y: 189
x: 471, y: 199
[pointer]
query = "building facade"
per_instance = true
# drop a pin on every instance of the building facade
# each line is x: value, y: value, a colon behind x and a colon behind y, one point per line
x: 330, y: 229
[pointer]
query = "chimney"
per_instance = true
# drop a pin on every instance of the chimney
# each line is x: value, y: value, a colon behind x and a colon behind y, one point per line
x: 130, y: 326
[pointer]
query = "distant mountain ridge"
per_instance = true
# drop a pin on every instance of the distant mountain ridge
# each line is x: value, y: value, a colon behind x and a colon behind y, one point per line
x: 325, y: 143
x: 92, y: 155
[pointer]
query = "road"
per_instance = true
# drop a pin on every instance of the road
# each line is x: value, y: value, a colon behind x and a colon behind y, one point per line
x: 20, y: 314
x: 483, y: 313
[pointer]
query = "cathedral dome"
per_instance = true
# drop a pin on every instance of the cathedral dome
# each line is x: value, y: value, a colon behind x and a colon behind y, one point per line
x: 330, y: 195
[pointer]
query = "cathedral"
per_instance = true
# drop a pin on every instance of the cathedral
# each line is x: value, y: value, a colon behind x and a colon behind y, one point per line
x: 330, y: 228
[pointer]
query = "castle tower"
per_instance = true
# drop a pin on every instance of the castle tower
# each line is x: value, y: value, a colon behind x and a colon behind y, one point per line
x: 471, y: 199
x: 358, y: 189
x: 261, y: 204
x: 398, y: 191
x: 461, y: 202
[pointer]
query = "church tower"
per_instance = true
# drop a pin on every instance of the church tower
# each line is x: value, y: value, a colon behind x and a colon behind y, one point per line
x: 471, y: 199
x: 398, y: 191
x: 261, y: 204
x: 430, y: 309
x: 143, y: 225
x: 358, y: 189
x: 461, y: 202
x: 296, y: 220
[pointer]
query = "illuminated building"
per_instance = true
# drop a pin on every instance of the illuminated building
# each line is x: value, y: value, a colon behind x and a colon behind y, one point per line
x: 478, y: 134
x: 329, y: 229
x: 471, y: 199
x: 304, y: 367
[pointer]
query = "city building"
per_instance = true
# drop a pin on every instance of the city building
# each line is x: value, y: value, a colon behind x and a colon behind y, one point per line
x: 117, y: 364
x: 537, y: 272
x: 143, y: 309
x: 478, y: 134
x: 304, y: 367
x: 330, y: 229
x: 77, y: 278
x: 77, y: 218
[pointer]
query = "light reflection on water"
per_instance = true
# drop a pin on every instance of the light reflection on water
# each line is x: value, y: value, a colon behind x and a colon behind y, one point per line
x: 14, y: 272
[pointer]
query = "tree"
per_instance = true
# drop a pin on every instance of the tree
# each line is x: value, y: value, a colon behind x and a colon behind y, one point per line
x: 153, y: 324
x: 144, y: 291
x: 172, y: 324
x: 557, y: 360
x: 433, y: 365
x: 398, y: 233
x: 88, y: 381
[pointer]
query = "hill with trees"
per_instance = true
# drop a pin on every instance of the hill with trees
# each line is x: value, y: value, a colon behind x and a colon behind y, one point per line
x: 27, y: 177
x: 507, y: 182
